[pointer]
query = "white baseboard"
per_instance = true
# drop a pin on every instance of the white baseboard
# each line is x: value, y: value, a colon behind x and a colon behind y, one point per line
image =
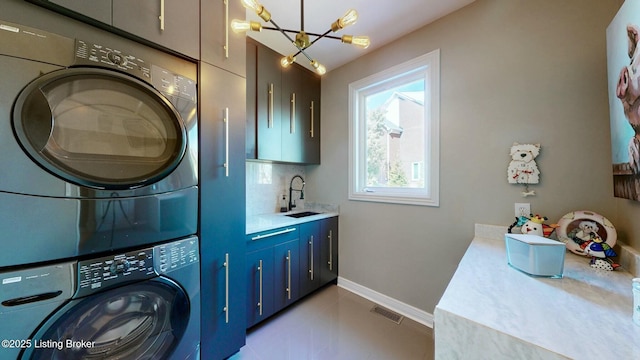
x: 390, y: 303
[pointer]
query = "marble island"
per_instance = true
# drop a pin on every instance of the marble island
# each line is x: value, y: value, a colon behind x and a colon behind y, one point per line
x: 492, y: 311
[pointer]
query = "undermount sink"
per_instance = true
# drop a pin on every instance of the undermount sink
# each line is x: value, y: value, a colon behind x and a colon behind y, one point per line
x: 302, y: 214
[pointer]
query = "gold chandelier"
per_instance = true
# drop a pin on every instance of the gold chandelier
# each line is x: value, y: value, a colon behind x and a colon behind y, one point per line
x: 301, y: 41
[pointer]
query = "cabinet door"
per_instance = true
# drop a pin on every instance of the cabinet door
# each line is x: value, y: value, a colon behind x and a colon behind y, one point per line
x: 300, y: 116
x: 259, y: 275
x: 219, y: 45
x: 309, y: 257
x: 170, y: 23
x: 268, y: 112
x: 222, y: 210
x: 312, y: 106
x: 329, y: 250
x: 251, y: 68
x: 295, y: 118
x: 287, y: 265
x: 98, y: 9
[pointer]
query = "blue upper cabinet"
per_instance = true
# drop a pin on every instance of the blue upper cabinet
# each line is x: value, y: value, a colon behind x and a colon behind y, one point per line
x: 219, y: 45
x: 99, y: 9
x: 300, y: 116
x: 268, y: 116
x: 283, y: 109
x: 172, y: 25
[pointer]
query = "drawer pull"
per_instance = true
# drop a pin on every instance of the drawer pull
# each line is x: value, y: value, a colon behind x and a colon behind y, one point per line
x: 258, y: 237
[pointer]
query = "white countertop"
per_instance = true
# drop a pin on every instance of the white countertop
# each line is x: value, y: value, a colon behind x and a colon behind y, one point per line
x: 492, y: 311
x: 265, y: 222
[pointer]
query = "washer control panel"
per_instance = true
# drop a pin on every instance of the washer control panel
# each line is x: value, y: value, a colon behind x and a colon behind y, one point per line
x: 173, y: 256
x: 97, y: 274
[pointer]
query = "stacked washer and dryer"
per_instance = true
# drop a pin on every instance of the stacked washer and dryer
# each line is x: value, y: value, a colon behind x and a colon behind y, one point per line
x: 98, y: 199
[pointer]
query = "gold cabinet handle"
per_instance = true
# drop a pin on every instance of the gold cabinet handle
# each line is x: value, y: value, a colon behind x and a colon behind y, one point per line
x: 226, y: 294
x: 260, y: 291
x: 292, y: 118
x: 311, y: 131
x: 226, y: 141
x: 226, y: 28
x: 285, y: 231
x: 330, y: 263
x: 311, y: 258
x: 161, y: 17
x: 288, y: 274
x: 270, y: 113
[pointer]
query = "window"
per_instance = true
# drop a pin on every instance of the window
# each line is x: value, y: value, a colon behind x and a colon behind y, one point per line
x: 394, y: 134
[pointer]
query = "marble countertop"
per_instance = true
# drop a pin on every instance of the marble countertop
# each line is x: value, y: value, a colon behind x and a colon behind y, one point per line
x: 265, y: 222
x: 490, y: 310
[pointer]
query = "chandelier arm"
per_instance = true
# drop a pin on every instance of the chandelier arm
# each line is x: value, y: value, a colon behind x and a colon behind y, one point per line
x: 276, y: 29
x: 318, y: 37
x: 297, y: 31
x: 300, y: 51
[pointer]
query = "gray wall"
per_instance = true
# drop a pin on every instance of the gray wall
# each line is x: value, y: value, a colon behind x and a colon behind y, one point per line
x: 511, y: 70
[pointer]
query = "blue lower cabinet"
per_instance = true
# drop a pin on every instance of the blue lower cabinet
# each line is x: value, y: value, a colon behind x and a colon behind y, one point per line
x: 310, y: 239
x: 287, y: 281
x: 328, y: 250
x: 283, y: 265
x: 259, y: 274
x: 271, y: 272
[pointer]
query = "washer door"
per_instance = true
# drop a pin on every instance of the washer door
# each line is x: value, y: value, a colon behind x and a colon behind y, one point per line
x: 139, y: 321
x: 99, y: 128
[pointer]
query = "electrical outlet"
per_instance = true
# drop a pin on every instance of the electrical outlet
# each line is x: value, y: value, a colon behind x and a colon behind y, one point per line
x: 522, y: 209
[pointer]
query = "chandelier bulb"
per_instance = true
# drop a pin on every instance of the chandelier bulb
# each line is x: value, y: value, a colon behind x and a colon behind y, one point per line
x: 257, y: 8
x: 287, y: 60
x: 240, y: 26
x: 360, y: 41
x: 347, y: 19
x: 252, y: 4
x: 320, y: 69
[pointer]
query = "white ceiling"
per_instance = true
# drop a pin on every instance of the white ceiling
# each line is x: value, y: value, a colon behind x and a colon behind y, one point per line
x: 382, y: 20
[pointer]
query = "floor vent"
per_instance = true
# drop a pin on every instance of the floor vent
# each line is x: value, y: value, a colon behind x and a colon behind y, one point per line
x: 393, y: 316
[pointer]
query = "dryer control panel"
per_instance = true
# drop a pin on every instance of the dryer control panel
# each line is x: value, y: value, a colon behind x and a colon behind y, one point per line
x: 92, y: 54
x: 98, y: 274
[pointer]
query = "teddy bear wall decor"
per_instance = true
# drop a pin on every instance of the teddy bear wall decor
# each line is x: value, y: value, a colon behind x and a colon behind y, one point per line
x: 523, y: 168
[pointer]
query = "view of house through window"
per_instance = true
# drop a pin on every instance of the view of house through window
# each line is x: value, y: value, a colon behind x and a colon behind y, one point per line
x: 394, y: 134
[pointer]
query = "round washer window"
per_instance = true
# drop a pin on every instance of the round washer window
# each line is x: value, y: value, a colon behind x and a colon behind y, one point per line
x: 140, y: 321
x: 99, y: 128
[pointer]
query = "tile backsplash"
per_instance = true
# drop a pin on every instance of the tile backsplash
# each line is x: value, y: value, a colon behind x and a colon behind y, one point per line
x: 267, y: 182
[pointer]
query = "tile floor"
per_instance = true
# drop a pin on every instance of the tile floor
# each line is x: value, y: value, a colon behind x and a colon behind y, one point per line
x: 333, y: 324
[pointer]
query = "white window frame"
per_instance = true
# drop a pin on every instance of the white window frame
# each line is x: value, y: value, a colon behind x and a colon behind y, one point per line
x: 429, y: 66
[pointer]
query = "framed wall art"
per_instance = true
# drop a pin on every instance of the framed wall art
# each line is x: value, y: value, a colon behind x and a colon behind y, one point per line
x: 623, y: 73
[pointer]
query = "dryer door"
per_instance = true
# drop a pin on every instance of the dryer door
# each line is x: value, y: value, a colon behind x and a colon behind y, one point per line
x: 99, y: 128
x: 139, y: 321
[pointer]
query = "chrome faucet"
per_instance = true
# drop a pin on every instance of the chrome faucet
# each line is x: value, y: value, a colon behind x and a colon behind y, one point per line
x: 292, y: 204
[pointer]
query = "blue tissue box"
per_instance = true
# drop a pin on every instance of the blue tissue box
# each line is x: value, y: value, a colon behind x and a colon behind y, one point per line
x: 535, y: 255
